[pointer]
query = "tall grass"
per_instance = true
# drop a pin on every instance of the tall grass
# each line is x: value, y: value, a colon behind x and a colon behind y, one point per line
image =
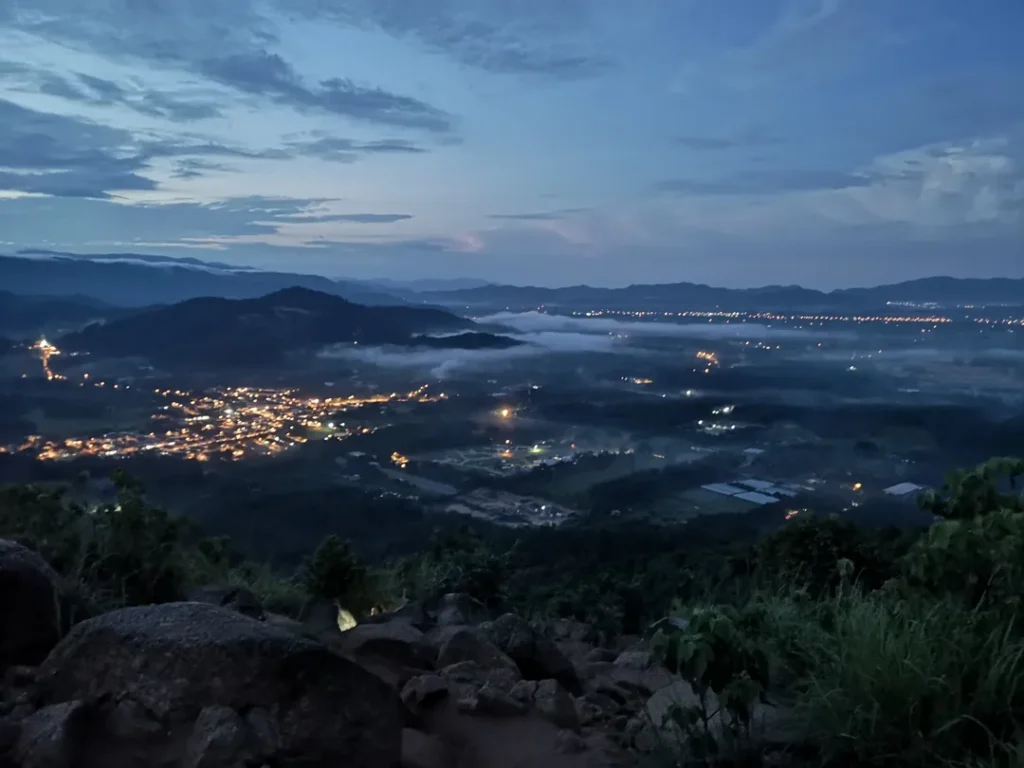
x: 896, y: 682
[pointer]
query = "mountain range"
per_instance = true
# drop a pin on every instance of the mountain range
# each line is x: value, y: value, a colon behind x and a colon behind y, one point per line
x: 219, y: 332
x: 136, y: 280
x: 943, y: 291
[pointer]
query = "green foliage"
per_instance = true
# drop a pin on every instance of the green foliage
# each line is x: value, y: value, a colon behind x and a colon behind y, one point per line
x: 335, y: 573
x: 728, y: 669
x: 967, y: 494
x: 40, y: 519
x: 895, y: 682
x: 808, y: 549
x: 460, y: 561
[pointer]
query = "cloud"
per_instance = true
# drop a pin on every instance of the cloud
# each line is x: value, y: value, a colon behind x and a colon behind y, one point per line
x: 101, y: 92
x: 554, y: 41
x: 355, y: 218
x: 442, y: 363
x: 260, y: 73
x: 538, y: 215
x: 538, y: 323
x: 763, y: 182
x: 344, y: 150
x: 192, y: 168
x: 65, y: 157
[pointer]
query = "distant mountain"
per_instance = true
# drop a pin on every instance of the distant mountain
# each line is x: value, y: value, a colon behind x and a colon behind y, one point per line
x: 25, y: 316
x: 420, y: 286
x: 137, y: 280
x: 218, y: 332
x: 945, y: 291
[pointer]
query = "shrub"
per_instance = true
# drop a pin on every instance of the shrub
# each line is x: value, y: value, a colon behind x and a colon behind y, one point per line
x: 337, y: 574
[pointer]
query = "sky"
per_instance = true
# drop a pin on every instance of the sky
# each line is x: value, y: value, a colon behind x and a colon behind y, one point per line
x: 828, y: 143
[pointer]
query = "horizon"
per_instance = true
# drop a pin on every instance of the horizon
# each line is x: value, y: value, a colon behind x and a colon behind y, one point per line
x: 388, y: 282
x: 828, y: 144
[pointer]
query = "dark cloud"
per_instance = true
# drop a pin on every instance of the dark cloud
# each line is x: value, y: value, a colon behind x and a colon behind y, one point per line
x: 355, y: 218
x: 761, y: 182
x: 260, y: 73
x: 343, y: 150
x: 538, y: 215
x: 540, y: 39
x: 29, y: 221
x: 193, y: 167
x: 98, y: 91
x: 64, y: 156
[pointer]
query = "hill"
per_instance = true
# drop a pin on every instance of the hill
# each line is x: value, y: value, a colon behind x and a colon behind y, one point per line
x: 944, y: 291
x: 137, y: 280
x: 219, y: 332
x: 27, y: 316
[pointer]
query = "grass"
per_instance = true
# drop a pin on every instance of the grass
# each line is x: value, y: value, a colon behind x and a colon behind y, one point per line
x: 908, y: 683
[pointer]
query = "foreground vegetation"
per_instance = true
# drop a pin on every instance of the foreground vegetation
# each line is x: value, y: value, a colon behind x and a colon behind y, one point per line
x: 887, y: 647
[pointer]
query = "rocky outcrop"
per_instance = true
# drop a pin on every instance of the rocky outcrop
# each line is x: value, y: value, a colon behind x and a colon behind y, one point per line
x: 233, y: 685
x: 458, y: 644
x: 237, y: 599
x: 36, y: 607
x: 536, y: 655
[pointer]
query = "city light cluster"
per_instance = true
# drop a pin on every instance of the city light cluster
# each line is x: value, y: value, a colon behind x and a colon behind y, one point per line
x: 228, y: 423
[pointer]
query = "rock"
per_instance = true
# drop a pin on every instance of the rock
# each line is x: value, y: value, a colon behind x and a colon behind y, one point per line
x: 284, y: 623
x: 264, y: 734
x: 411, y: 613
x: 35, y: 606
x: 524, y: 691
x: 217, y: 741
x: 599, y: 655
x: 463, y: 644
x: 570, y: 629
x: 537, y: 657
x: 466, y: 677
x: 569, y: 743
x: 177, y: 659
x: 769, y: 724
x: 625, y: 682
x: 457, y: 609
x: 51, y: 737
x: 420, y: 750
x: 239, y: 599
x: 636, y: 660
x: 489, y: 700
x: 129, y: 720
x: 424, y: 690
x: 396, y: 643
x: 554, y: 703
x: 10, y: 730
x: 589, y: 712
x: 320, y: 621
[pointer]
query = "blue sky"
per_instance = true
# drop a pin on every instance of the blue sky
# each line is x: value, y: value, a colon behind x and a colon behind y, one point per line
x: 735, y: 142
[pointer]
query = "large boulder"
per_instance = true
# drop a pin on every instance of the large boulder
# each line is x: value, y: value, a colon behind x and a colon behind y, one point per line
x: 180, y: 659
x: 51, y: 737
x: 536, y: 655
x: 397, y: 642
x: 35, y: 606
x: 459, y: 644
x: 238, y: 599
